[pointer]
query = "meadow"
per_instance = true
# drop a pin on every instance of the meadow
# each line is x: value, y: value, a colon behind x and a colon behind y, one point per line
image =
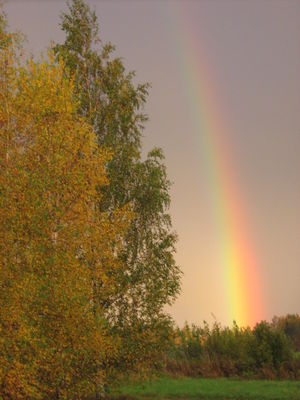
x: 210, y: 389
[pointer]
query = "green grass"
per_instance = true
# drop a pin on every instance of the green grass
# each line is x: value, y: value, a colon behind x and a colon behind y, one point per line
x: 211, y: 389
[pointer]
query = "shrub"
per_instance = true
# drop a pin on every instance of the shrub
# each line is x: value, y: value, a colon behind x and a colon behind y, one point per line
x: 263, y: 351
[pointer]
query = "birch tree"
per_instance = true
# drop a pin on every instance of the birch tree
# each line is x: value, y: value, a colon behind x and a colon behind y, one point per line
x: 57, y: 251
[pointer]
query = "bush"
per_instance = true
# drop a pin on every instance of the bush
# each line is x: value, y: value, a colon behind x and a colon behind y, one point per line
x: 271, y: 347
x: 263, y: 351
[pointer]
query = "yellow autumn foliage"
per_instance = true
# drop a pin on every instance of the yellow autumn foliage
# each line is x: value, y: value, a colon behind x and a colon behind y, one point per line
x: 58, y: 252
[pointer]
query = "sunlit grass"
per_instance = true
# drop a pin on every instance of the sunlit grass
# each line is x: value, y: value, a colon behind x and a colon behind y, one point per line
x: 212, y: 389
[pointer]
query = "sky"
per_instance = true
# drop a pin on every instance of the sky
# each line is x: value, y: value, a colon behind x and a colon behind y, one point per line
x: 224, y: 105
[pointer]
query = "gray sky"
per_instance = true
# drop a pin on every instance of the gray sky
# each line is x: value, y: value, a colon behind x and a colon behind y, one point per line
x: 253, y: 55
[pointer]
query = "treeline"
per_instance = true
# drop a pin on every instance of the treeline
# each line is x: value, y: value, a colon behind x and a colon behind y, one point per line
x: 269, y: 350
x: 86, y: 242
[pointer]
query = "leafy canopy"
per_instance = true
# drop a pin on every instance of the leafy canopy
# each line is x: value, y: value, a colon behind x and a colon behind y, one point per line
x: 55, y: 247
x: 113, y: 104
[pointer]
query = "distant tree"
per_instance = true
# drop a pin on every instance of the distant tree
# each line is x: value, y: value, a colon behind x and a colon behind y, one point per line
x: 56, y: 249
x: 290, y: 325
x: 108, y: 97
x: 271, y: 347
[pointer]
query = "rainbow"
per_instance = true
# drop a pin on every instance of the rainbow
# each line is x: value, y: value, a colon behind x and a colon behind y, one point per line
x: 237, y: 258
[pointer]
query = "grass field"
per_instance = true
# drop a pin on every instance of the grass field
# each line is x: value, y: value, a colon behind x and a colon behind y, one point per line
x: 211, y: 389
